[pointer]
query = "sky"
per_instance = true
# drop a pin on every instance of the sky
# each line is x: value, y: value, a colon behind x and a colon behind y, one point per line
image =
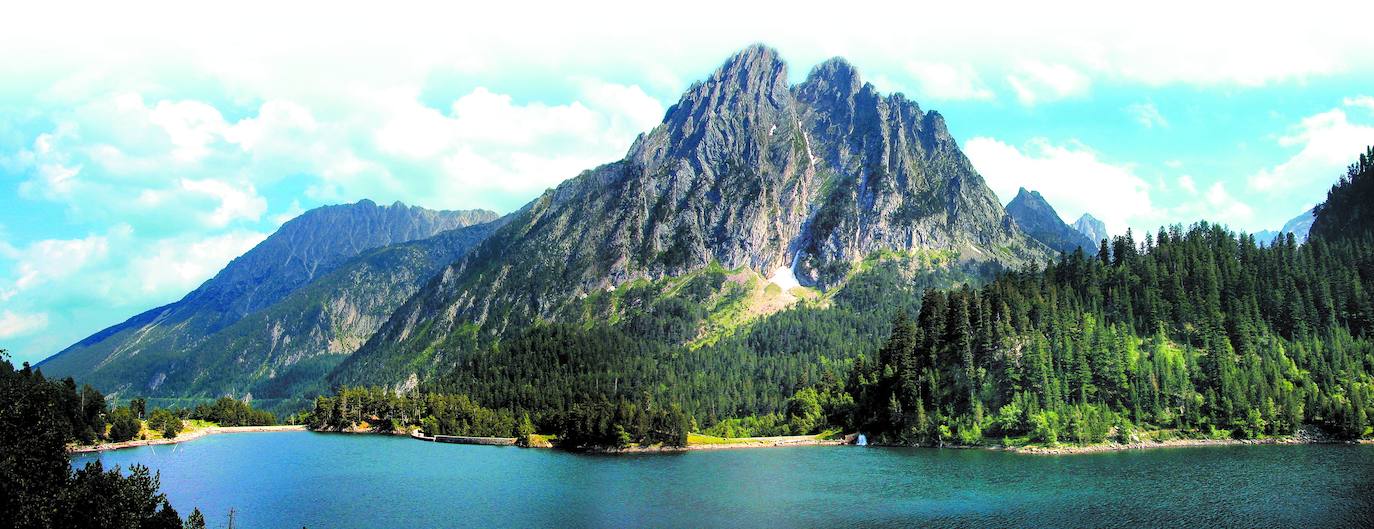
x: 144, y: 145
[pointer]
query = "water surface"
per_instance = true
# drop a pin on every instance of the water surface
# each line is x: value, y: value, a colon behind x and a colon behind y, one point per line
x: 296, y: 479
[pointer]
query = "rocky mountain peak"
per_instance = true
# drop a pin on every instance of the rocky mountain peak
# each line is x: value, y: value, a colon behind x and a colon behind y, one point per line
x: 835, y: 79
x: 720, y: 120
x: 1090, y: 227
x: 757, y: 68
x: 1035, y: 215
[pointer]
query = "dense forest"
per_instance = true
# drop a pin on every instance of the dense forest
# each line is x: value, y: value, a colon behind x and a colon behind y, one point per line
x: 1196, y: 332
x: 673, y: 341
x: 584, y: 425
x: 38, y: 486
x: 1349, y: 204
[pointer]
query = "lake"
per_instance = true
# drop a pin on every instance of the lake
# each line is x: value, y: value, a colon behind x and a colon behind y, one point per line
x: 297, y: 479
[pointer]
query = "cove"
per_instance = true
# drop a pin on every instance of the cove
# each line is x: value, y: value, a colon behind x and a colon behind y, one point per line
x: 296, y: 479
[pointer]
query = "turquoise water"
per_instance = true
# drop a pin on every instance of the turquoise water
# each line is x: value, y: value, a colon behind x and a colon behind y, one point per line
x: 300, y: 479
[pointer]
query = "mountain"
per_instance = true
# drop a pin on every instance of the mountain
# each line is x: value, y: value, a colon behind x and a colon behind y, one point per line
x: 1266, y: 236
x: 1089, y: 226
x: 1299, y: 226
x: 1034, y: 215
x: 141, y: 353
x: 745, y: 173
x: 286, y: 349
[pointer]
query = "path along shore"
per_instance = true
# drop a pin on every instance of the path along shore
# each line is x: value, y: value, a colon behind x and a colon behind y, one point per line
x: 188, y: 436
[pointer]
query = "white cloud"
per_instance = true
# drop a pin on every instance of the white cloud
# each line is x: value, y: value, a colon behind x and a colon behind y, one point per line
x: 1071, y: 177
x: 943, y: 81
x: 57, y: 291
x: 1147, y: 115
x: 168, y: 268
x: 1365, y: 102
x: 1327, y: 143
x: 1186, y: 182
x: 235, y: 202
x: 53, y: 259
x: 1037, y: 82
x: 1227, y: 209
x: 12, y: 324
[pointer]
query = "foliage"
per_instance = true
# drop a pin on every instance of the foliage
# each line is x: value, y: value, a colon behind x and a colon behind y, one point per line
x: 124, y: 424
x: 166, y: 422
x: 1199, y: 331
x: 385, y: 410
x: 231, y: 412
x: 38, y: 488
x: 640, y: 339
x: 1349, y: 208
x: 603, y: 425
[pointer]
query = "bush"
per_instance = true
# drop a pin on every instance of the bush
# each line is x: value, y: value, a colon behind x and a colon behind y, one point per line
x: 166, y: 422
x: 123, y: 425
x: 1045, y: 427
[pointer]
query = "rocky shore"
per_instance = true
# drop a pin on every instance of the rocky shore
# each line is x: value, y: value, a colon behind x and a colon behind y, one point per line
x: 187, y: 436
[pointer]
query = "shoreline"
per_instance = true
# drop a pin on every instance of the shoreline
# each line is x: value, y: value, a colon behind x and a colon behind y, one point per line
x: 1151, y: 445
x: 188, y: 436
x: 752, y: 443
x: 746, y: 443
x: 1305, y: 436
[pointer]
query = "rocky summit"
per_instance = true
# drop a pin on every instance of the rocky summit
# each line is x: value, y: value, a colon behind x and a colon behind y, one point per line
x: 745, y: 171
x: 1094, y: 229
x: 1041, y: 222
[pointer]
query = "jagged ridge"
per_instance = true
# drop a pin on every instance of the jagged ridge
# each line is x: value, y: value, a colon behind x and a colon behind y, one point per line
x: 1034, y: 215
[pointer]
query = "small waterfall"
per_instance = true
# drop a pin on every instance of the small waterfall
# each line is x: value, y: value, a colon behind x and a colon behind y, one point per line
x: 861, y: 440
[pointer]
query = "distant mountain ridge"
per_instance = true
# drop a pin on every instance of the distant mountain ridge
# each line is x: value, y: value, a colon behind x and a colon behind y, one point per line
x: 1041, y: 222
x: 1300, y: 225
x: 138, y: 354
x: 1095, y: 230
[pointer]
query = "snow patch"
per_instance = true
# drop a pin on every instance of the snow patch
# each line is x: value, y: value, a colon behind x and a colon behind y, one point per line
x: 785, y: 277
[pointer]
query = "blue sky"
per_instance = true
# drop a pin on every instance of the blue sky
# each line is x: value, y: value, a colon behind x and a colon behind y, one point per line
x: 141, y: 150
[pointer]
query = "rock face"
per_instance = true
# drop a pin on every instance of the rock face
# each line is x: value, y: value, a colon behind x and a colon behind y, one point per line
x: 1034, y: 215
x: 141, y: 353
x: 1089, y: 226
x: 744, y: 170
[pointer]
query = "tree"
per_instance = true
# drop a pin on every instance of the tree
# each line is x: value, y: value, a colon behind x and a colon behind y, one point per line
x: 195, y: 520
x: 804, y: 412
x: 124, y: 425
x: 524, y: 430
x: 38, y: 487
x: 140, y: 407
x: 165, y: 422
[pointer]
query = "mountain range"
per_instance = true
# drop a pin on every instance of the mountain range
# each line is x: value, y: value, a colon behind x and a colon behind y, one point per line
x: 751, y: 197
x: 258, y: 314
x: 1041, y: 222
